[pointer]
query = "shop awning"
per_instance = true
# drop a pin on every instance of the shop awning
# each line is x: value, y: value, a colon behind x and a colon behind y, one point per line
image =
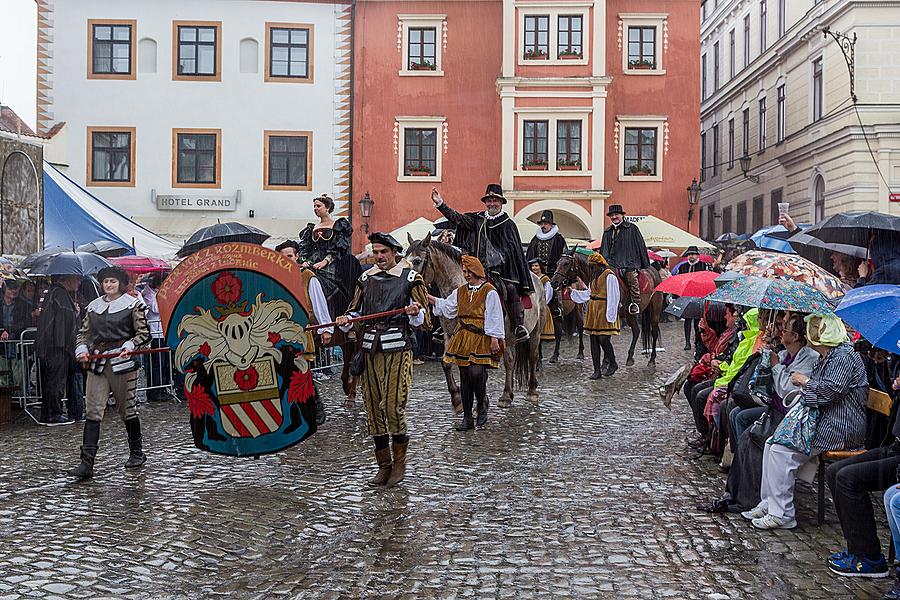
x: 657, y: 232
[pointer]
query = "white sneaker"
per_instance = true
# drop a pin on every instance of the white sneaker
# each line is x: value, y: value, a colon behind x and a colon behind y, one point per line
x: 757, y: 512
x: 773, y: 522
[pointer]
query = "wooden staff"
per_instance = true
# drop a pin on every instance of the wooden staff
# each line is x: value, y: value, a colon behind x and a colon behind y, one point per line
x: 387, y: 313
x: 130, y: 353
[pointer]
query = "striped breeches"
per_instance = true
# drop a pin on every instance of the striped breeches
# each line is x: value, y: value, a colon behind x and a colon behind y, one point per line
x: 122, y: 386
x: 385, y: 387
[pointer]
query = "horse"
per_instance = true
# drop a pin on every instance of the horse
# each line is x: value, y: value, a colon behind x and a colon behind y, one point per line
x: 573, y: 265
x: 440, y: 264
x: 571, y: 321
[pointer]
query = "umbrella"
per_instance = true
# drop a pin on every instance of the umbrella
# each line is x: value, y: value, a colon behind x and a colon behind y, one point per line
x: 726, y: 277
x: 765, y: 241
x: 666, y: 253
x: 687, y: 307
x: 696, y: 284
x: 8, y: 270
x: 141, y: 264
x: 819, y: 252
x: 705, y: 258
x: 860, y: 304
x: 105, y: 248
x: 854, y: 227
x: 221, y: 233
x: 69, y: 263
x: 654, y: 256
x: 727, y: 237
x: 760, y: 263
x: 773, y: 294
x: 33, y: 259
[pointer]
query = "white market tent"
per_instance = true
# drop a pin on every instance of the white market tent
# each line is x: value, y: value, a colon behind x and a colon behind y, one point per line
x: 657, y: 232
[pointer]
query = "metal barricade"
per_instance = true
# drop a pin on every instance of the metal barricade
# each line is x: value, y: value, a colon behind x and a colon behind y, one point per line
x: 19, y: 368
x: 157, y: 366
x: 329, y: 362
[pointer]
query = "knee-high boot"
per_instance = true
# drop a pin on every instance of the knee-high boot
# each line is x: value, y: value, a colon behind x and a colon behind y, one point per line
x: 596, y: 358
x: 90, y: 441
x: 467, y: 391
x: 136, y: 456
x: 609, y: 356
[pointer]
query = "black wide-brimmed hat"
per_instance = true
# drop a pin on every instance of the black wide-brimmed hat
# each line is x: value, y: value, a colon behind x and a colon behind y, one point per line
x: 538, y: 260
x: 691, y: 250
x: 494, y: 190
x: 546, y: 217
x: 615, y: 208
x: 385, y: 239
x: 115, y: 272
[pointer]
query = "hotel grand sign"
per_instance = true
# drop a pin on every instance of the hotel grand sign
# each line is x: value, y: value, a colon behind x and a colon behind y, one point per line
x: 198, y: 202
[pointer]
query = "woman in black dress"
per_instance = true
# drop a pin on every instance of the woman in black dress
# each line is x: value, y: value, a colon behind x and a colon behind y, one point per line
x: 325, y: 248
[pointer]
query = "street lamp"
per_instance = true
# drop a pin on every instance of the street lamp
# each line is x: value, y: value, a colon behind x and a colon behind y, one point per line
x: 693, y: 191
x: 365, y: 209
x: 745, y: 168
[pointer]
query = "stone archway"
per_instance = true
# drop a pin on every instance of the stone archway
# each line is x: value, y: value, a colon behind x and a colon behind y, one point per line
x: 572, y: 220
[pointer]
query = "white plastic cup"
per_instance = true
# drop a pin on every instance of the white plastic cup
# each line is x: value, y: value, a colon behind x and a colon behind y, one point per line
x: 783, y: 208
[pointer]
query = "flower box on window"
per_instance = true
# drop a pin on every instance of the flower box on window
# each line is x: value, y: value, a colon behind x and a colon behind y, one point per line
x: 639, y: 170
x: 641, y: 65
x: 535, y: 55
x: 423, y: 66
x: 568, y: 165
x: 420, y: 171
x: 535, y: 165
x: 569, y: 55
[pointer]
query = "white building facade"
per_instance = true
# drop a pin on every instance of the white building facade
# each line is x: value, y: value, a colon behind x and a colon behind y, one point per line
x: 179, y: 113
x: 776, y: 89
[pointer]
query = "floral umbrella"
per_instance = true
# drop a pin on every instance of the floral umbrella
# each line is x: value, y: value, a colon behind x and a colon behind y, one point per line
x: 773, y: 294
x: 773, y: 265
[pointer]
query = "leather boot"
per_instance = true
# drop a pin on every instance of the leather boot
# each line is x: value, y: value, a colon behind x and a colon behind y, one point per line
x: 320, y: 411
x: 136, y: 456
x: 89, y: 443
x: 383, y: 458
x: 399, y: 468
x: 482, y: 411
x: 467, y: 422
x: 517, y: 318
x: 595, y: 359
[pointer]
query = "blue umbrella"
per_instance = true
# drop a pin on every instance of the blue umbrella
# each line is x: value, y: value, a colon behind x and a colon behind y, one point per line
x: 860, y: 307
x: 764, y: 240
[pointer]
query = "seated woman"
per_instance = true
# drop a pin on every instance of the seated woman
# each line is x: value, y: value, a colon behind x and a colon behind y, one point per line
x: 838, y: 388
x: 892, y: 509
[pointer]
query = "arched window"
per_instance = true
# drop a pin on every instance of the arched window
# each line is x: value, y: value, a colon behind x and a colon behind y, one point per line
x: 819, y: 199
x: 249, y: 56
x: 147, y: 56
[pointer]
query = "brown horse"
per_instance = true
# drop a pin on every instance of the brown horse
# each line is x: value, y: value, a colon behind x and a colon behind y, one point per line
x: 572, y: 321
x: 439, y: 263
x: 575, y: 265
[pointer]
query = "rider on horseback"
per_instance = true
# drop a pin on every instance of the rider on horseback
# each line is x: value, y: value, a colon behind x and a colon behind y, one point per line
x: 623, y: 246
x: 493, y: 238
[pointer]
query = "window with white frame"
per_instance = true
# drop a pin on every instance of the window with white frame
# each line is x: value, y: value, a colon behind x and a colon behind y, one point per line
x: 551, y: 141
x: 642, y: 50
x: 818, y: 93
x: 731, y: 143
x: 781, y: 113
x: 421, y: 44
x: 746, y: 40
x: 716, y: 159
x: 731, y: 55
x: 641, y: 148
x: 553, y: 34
x: 763, y: 22
x: 762, y: 124
x: 420, y: 146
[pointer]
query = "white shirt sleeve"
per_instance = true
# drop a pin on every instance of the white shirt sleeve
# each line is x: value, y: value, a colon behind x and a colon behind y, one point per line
x: 319, y: 305
x: 580, y: 296
x: 417, y: 319
x: 612, y: 297
x: 548, y: 291
x: 447, y: 307
x: 493, y: 316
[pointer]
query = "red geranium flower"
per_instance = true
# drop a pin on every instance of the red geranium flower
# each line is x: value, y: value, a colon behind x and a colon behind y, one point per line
x: 205, y: 350
x: 199, y: 402
x: 274, y: 338
x: 246, y: 379
x: 301, y: 388
x: 227, y: 288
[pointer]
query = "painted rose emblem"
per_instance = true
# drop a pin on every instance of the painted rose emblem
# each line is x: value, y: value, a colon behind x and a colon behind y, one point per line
x: 226, y: 288
x: 246, y: 379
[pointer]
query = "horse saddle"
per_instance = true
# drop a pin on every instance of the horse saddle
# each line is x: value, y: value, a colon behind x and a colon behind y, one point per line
x: 645, y: 283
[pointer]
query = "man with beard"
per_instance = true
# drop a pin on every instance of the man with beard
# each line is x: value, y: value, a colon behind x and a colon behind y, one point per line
x: 493, y: 238
x: 623, y: 247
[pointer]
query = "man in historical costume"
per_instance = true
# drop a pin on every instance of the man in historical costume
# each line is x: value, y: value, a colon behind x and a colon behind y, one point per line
x: 115, y: 323
x: 536, y: 265
x: 386, y: 350
x: 316, y: 308
x: 694, y: 264
x: 478, y: 342
x: 602, y: 318
x: 624, y: 248
x: 548, y: 244
x: 493, y: 238
x: 55, y: 345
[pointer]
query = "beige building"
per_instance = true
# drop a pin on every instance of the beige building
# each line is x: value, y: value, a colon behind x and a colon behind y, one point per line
x: 776, y: 89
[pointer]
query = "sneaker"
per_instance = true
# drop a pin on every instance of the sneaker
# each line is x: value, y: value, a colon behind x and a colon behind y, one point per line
x: 774, y: 522
x: 757, y: 512
x: 418, y: 361
x: 849, y: 565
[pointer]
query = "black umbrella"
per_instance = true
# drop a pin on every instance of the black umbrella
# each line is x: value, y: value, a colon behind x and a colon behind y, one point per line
x: 728, y: 237
x: 688, y: 307
x: 69, y: 263
x: 32, y: 259
x: 854, y: 228
x: 106, y: 248
x: 819, y: 252
x: 221, y: 233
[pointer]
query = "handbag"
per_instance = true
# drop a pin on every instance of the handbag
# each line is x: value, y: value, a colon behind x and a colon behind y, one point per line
x: 741, y: 389
x: 798, y: 428
x: 358, y: 363
x: 763, y: 428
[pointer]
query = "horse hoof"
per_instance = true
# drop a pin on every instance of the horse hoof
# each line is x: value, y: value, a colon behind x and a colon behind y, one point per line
x: 629, y: 362
x: 554, y: 359
x: 532, y: 397
x: 504, y: 402
x: 579, y: 356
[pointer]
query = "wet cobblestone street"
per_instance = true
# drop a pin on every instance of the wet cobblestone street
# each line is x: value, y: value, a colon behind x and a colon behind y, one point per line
x: 590, y: 492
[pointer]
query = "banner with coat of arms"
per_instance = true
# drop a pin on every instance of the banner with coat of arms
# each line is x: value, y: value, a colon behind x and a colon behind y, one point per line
x: 235, y: 316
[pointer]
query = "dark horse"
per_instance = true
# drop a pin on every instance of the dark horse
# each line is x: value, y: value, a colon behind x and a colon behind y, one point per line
x: 572, y: 321
x: 574, y: 265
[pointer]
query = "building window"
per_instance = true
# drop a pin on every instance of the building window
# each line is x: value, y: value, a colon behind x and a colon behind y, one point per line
x: 197, y: 54
x: 110, y: 159
x: 746, y: 40
x: 819, y: 200
x: 537, y: 37
x: 111, y: 49
x: 741, y: 225
x: 534, y: 149
x: 642, y: 47
x: 762, y: 124
x: 198, y: 158
x: 711, y: 221
x: 420, y: 151
x: 640, y: 151
x: 757, y: 213
x: 702, y: 156
x: 730, y: 143
x: 774, y: 213
x: 422, y: 45
x: 715, y: 153
x: 746, y: 132
x: 568, y: 36
x: 716, y: 66
x: 781, y: 113
x: 782, y: 17
x: 726, y: 220
x: 421, y: 53
x: 731, y: 54
x: 703, y: 76
x: 817, y: 91
x: 568, y: 144
x: 763, y: 18
x: 287, y: 160
x: 289, y: 52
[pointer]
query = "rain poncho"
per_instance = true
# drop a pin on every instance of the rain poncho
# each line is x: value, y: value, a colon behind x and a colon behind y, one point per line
x: 744, y: 350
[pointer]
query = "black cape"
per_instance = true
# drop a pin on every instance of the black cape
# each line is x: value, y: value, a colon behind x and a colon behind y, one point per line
x: 549, y: 250
x: 57, y: 323
x: 625, y: 249
x: 473, y: 228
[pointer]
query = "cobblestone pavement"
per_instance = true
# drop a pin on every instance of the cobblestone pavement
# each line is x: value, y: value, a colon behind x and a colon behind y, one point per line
x: 589, y: 492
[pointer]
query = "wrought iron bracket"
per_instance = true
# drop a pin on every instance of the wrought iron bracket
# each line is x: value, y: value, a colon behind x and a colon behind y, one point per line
x: 848, y: 47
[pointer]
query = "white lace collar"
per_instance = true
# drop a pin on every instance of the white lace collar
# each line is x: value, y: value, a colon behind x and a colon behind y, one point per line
x: 123, y: 302
x: 546, y: 236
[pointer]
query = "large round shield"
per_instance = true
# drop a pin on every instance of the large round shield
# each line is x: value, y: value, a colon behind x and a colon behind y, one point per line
x: 235, y: 316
